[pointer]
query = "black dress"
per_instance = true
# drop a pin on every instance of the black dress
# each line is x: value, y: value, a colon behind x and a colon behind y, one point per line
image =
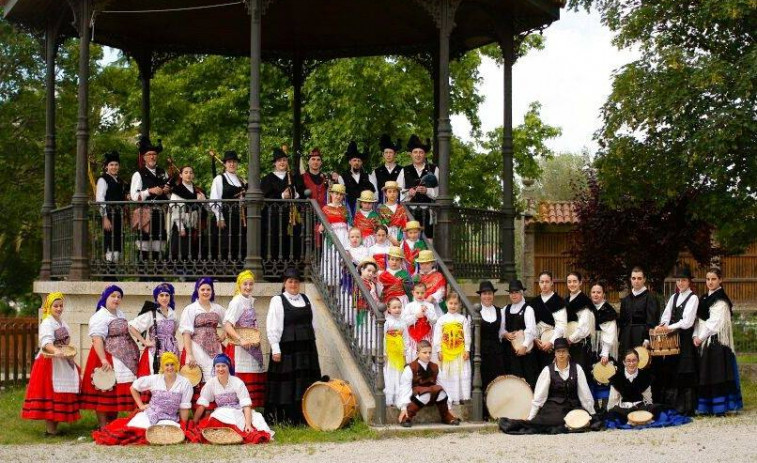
x: 581, y: 352
x: 186, y: 247
x: 678, y: 373
x: 638, y: 314
x: 631, y: 391
x: 281, y: 229
x: 298, y: 369
x: 524, y: 366
x: 230, y: 244
x: 543, y: 312
x: 116, y: 190
x: 492, y: 352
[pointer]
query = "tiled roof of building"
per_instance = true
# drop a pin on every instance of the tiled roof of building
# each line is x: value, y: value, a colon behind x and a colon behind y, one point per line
x: 554, y: 213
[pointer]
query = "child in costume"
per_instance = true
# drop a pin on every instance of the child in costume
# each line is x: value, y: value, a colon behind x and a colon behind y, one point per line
x: 53, y: 392
x: 338, y: 216
x: 380, y: 250
x: 412, y: 244
x: 392, y: 213
x: 436, y: 285
x: 394, y: 281
x: 419, y: 316
x: 452, y: 341
x: 396, y: 340
x: 367, y: 219
x: 419, y: 387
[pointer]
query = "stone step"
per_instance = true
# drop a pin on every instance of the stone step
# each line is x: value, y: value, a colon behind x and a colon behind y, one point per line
x: 429, y: 414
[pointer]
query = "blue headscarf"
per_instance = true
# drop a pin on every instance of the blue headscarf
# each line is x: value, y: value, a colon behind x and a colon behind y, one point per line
x: 204, y: 281
x: 164, y: 288
x: 104, y: 296
x: 223, y: 358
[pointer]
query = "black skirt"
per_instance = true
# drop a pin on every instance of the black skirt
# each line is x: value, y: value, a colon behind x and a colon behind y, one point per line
x: 523, y: 366
x: 289, y: 379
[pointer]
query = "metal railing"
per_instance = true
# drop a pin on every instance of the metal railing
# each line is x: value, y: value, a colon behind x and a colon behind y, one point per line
x: 192, y: 238
x: 359, y: 316
x: 62, y: 240
x: 474, y: 311
x: 18, y: 339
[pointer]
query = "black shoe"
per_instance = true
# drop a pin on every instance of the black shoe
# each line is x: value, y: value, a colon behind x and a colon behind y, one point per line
x: 406, y: 424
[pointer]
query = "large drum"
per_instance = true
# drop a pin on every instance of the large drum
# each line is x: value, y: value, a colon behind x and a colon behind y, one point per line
x: 510, y: 397
x: 327, y: 406
x: 661, y: 343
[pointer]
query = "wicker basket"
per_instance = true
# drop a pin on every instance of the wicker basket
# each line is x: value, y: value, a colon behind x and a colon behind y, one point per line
x: 163, y: 434
x: 221, y: 436
x: 68, y: 352
x: 248, y: 334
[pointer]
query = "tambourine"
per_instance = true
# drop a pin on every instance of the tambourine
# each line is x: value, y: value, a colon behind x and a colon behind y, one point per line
x: 103, y: 380
x: 193, y: 374
x: 518, y: 340
x: 643, y: 353
x: 603, y: 373
x: 640, y: 418
x: 68, y: 352
x: 546, y: 335
x: 570, y: 328
x: 247, y: 334
x: 577, y: 419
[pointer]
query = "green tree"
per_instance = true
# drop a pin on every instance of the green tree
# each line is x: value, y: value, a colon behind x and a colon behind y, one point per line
x: 562, y: 177
x: 682, y: 116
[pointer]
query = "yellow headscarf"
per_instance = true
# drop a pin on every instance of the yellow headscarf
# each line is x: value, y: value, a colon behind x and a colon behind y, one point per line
x: 47, y: 308
x: 168, y: 357
x: 246, y: 275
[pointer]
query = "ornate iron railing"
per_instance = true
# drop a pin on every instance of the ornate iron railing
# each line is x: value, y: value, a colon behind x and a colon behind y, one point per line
x: 359, y: 317
x: 62, y: 241
x: 189, y: 239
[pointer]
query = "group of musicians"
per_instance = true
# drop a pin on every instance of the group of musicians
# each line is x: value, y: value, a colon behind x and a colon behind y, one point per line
x: 280, y: 225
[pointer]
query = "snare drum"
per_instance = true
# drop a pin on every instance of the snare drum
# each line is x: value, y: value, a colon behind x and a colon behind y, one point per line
x: 664, y: 343
x: 327, y: 406
x: 510, y: 397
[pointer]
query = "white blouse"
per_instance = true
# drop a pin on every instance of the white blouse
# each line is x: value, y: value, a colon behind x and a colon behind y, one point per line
x: 158, y: 383
x: 615, y: 399
x: 144, y: 322
x: 214, y: 387
x: 243, y: 361
x: 406, y: 386
x: 275, y: 318
x: 529, y: 318
x: 65, y: 374
x: 98, y: 327
x: 586, y: 325
x: 689, y: 312
x: 190, y: 312
x: 412, y: 311
x: 541, y: 391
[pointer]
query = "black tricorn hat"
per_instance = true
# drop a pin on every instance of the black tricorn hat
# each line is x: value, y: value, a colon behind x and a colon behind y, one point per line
x: 515, y: 285
x: 561, y: 343
x: 145, y: 145
x: 386, y: 143
x: 484, y: 286
x: 279, y: 153
x: 353, y: 153
x: 415, y: 142
x: 230, y: 155
x: 291, y: 272
x: 683, y: 271
x: 111, y: 156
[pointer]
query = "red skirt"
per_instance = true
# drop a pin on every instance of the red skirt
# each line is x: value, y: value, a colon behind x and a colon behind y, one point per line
x: 254, y: 437
x: 118, y: 433
x: 255, y: 382
x: 116, y: 400
x: 198, y: 388
x: 145, y: 369
x: 42, y: 402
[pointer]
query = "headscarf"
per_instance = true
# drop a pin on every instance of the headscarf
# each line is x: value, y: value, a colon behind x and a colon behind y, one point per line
x: 246, y: 275
x: 164, y: 288
x: 104, y: 296
x: 166, y: 357
x: 223, y: 358
x: 47, y: 307
x: 204, y: 281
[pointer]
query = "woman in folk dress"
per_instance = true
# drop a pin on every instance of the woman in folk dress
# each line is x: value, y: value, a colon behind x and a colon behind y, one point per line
x: 159, y: 324
x: 246, y: 357
x: 53, y: 392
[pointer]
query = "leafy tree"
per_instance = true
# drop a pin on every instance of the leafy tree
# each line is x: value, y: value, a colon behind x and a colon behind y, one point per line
x: 562, y: 177
x: 682, y: 116
x: 609, y: 241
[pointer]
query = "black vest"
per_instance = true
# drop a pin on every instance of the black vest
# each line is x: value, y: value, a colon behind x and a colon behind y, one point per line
x: 116, y: 190
x: 354, y: 188
x: 580, y: 302
x: 182, y: 192
x: 631, y: 391
x: 563, y: 390
x: 637, y: 310
x: 298, y: 321
x: 151, y: 181
x: 677, y: 312
x: 383, y: 175
x: 543, y: 310
x: 606, y: 313
x: 412, y: 179
x: 515, y: 321
x: 490, y: 343
x: 231, y: 191
x: 707, y: 300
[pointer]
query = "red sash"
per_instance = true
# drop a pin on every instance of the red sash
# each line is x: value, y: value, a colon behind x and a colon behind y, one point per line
x: 393, y: 286
x: 367, y: 225
x: 420, y: 330
x: 433, y: 280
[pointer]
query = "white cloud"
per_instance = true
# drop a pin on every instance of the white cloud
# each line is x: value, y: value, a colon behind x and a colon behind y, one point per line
x: 571, y: 78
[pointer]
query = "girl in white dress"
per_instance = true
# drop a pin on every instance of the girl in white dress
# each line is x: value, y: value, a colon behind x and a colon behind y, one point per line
x: 451, y: 347
x: 396, y: 341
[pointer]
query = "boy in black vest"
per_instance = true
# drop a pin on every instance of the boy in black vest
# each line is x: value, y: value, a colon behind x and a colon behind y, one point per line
x: 356, y: 179
x: 390, y: 170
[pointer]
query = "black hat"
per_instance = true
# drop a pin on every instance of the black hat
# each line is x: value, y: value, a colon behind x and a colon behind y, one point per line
x: 561, y: 343
x: 145, y: 145
x: 352, y: 152
x: 230, y: 155
x: 515, y: 285
x: 484, y: 286
x: 386, y: 143
x: 112, y: 156
x: 415, y: 142
x: 683, y: 271
x: 291, y: 272
x: 279, y: 153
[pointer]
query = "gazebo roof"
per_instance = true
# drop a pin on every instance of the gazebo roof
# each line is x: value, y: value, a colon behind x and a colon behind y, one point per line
x: 304, y: 28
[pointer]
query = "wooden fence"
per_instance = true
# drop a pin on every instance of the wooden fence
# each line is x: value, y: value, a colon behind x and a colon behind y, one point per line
x: 18, y: 345
x: 739, y: 272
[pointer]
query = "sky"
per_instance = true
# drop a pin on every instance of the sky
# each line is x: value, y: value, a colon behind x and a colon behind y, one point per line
x: 571, y: 77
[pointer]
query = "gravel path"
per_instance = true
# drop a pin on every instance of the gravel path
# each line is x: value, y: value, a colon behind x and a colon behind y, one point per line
x: 707, y: 440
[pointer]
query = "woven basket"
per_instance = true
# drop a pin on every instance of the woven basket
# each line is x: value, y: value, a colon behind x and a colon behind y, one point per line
x: 221, y: 436
x: 248, y: 334
x: 68, y: 352
x: 163, y: 434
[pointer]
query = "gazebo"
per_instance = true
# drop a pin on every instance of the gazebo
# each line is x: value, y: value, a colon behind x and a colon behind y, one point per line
x: 298, y: 33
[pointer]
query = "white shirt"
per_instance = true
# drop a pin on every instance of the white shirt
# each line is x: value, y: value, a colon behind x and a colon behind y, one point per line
x: 529, y: 318
x: 541, y: 392
x: 135, y: 189
x: 214, y: 387
x: 358, y: 253
x: 615, y: 399
x: 144, y: 322
x: 65, y: 375
x: 689, y: 312
x: 586, y: 325
x: 98, y: 327
x: 430, y: 192
x: 406, y: 385
x: 190, y: 312
x: 275, y: 319
x: 608, y: 337
x: 412, y: 312
x: 100, y: 190
x: 372, y: 176
x: 158, y: 383
x: 216, y: 190
x: 719, y: 322
x: 354, y: 176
